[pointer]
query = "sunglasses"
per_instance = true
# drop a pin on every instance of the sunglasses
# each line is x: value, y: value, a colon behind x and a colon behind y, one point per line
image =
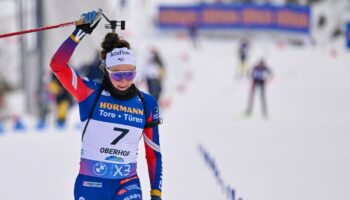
x: 119, y: 75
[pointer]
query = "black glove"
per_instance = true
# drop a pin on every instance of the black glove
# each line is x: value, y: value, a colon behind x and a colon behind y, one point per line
x: 91, y: 20
x: 155, y: 198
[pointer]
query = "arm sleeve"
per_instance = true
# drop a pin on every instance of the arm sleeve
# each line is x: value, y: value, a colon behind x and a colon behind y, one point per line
x: 152, y: 145
x: 68, y: 77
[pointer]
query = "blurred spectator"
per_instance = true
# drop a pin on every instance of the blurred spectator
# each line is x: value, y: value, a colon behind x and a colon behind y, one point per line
x: 63, y: 101
x: 123, y: 11
x: 4, y: 88
x: 92, y: 70
x: 248, y: 1
x: 337, y: 31
x: 310, y: 2
x: 154, y: 73
x: 44, y: 99
x: 322, y: 21
x: 260, y: 75
x: 296, y: 2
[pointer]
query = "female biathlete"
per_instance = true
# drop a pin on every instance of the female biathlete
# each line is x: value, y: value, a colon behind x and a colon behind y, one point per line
x: 115, y: 115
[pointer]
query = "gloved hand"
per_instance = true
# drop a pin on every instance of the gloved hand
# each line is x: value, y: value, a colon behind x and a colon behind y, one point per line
x: 155, y: 197
x: 91, y: 20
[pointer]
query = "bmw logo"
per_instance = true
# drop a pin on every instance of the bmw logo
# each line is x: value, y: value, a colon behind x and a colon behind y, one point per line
x: 100, y: 169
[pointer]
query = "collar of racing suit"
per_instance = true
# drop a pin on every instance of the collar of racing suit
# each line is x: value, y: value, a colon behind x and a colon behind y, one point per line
x: 117, y: 94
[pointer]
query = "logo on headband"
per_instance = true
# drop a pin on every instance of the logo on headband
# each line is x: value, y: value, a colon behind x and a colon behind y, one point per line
x: 120, y: 56
x: 120, y: 52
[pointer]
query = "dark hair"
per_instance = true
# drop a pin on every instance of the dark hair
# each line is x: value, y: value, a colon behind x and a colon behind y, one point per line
x: 110, y: 42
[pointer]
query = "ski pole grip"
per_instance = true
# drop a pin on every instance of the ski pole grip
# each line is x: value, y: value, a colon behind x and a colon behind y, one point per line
x: 81, y: 21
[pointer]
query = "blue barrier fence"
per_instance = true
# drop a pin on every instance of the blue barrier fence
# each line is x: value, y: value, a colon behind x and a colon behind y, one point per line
x: 234, y: 17
x: 210, y: 161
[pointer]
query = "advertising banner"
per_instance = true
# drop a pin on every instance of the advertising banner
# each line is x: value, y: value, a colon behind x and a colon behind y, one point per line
x: 248, y: 17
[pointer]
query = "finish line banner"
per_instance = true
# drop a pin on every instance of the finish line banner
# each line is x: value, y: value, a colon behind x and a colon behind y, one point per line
x: 234, y: 17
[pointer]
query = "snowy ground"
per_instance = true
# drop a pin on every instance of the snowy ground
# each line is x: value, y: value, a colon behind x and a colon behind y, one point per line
x: 300, y: 152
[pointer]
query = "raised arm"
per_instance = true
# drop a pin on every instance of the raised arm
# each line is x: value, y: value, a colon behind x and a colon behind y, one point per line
x: 69, y: 78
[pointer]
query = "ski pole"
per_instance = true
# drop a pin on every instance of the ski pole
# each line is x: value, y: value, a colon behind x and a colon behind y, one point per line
x: 78, y: 22
x: 113, y: 24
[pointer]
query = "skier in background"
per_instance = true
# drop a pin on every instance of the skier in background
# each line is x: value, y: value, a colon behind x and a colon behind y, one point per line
x: 193, y: 33
x: 115, y: 115
x: 154, y: 73
x: 242, y: 55
x: 259, y: 76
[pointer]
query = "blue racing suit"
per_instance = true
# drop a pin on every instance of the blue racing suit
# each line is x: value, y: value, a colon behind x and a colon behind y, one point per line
x: 110, y: 144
